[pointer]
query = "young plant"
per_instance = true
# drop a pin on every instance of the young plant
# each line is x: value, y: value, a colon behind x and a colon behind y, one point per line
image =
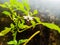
x: 18, y: 21
x: 18, y: 24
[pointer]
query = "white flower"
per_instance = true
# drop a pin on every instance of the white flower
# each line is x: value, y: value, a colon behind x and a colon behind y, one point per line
x: 28, y: 17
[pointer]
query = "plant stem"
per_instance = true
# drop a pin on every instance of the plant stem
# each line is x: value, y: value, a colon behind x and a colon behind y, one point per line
x: 27, y: 28
x: 31, y: 37
x: 14, y: 37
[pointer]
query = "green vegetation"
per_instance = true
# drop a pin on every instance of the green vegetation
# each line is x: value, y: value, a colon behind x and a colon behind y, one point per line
x: 18, y: 24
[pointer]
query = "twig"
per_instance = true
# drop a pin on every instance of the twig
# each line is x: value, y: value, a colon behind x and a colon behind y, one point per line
x: 27, y: 28
x: 31, y: 37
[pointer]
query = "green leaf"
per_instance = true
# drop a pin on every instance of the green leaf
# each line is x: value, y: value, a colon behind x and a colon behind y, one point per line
x: 27, y: 6
x: 12, y: 25
x: 13, y: 2
x: 21, y: 6
x: 52, y: 26
x: 37, y: 19
x: 3, y: 5
x: 21, y: 26
x: 25, y: 26
x: 12, y: 42
x: 33, y: 23
x: 23, y: 21
x: 35, y: 12
x: 22, y: 41
x: 13, y: 17
x: 4, y: 32
x: 6, y: 13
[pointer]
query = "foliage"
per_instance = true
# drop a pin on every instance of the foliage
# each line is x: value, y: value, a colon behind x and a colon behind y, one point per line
x: 19, y: 21
x: 5, y: 31
x: 52, y: 26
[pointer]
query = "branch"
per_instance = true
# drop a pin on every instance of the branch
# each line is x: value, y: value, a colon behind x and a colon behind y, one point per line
x: 31, y: 37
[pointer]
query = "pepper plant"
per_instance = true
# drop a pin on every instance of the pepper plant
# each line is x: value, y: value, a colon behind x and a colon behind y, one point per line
x: 18, y: 24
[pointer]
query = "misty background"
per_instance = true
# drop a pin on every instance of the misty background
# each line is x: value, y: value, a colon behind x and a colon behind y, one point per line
x: 45, y: 7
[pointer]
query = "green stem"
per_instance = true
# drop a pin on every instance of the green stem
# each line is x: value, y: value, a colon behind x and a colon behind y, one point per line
x: 14, y: 35
x: 27, y: 28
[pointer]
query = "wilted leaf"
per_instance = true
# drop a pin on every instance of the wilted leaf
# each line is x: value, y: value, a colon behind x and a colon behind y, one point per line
x: 52, y: 26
